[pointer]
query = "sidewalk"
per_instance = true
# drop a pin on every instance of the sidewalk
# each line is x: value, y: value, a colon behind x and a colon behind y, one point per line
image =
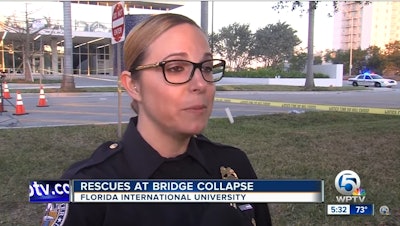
x: 110, y: 81
x: 81, y: 81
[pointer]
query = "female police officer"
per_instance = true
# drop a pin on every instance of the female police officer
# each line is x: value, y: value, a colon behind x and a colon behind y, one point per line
x: 170, y: 75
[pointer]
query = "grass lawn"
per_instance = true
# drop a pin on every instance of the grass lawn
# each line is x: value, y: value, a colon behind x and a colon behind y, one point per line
x: 313, y: 145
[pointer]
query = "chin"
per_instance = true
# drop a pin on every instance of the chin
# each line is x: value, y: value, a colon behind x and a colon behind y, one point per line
x: 191, y: 125
x: 194, y: 129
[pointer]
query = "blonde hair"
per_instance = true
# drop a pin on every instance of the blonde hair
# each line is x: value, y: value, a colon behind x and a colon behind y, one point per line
x: 143, y: 34
x: 141, y: 37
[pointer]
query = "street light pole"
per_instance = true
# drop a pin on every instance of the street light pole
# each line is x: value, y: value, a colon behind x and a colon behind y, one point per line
x: 212, y: 27
x: 2, y: 51
x: 351, y: 46
x: 204, y: 16
x: 2, y: 56
x: 13, y: 58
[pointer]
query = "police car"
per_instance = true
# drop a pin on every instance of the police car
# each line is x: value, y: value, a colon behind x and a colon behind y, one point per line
x: 376, y: 80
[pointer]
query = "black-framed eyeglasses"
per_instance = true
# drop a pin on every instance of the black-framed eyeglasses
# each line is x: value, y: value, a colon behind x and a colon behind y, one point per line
x: 182, y: 71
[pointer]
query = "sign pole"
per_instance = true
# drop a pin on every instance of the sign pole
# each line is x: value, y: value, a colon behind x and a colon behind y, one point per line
x: 119, y: 132
x: 118, y: 36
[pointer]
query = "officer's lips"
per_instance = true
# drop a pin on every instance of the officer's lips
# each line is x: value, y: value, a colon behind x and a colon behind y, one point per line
x: 196, y: 108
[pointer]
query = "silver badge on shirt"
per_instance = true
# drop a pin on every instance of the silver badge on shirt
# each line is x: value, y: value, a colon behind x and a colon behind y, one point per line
x: 55, y: 214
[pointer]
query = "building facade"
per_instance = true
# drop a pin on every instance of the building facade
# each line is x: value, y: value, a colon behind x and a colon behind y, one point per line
x: 92, y: 48
x: 361, y: 26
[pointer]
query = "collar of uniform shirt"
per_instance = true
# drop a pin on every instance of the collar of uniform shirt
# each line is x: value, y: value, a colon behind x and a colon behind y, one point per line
x: 143, y: 159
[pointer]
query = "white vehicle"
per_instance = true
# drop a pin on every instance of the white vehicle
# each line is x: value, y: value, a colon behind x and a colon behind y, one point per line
x: 372, y: 80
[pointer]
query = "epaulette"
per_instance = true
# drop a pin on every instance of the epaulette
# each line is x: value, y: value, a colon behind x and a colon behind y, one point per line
x: 103, y: 152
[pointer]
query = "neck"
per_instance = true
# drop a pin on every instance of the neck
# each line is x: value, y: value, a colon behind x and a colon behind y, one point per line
x: 167, y: 143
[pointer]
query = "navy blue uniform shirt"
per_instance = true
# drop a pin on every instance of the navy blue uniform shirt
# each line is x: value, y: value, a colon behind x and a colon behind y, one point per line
x: 134, y: 158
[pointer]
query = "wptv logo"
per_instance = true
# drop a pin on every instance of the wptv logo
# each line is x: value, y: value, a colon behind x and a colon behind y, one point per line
x: 348, y: 184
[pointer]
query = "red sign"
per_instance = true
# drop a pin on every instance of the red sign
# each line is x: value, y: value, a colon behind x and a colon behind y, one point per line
x: 118, y: 30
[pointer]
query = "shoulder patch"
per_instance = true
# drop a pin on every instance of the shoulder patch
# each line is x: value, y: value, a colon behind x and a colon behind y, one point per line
x: 102, y: 153
x: 55, y: 214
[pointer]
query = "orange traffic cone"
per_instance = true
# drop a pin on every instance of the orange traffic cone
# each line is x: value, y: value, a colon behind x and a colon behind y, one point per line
x: 19, y: 107
x: 42, y: 98
x: 6, y: 92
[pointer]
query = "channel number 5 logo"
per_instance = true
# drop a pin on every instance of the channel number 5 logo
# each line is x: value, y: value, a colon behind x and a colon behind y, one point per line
x: 346, y: 182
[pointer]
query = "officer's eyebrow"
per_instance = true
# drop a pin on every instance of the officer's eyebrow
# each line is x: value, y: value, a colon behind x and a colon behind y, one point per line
x: 206, y: 55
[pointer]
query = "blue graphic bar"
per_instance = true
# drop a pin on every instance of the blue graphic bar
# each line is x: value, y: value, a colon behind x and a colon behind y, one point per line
x: 43, y: 191
x: 362, y: 209
x: 198, y: 185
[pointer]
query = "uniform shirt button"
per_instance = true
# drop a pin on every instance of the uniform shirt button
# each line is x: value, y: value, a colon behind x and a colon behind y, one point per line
x: 113, y: 146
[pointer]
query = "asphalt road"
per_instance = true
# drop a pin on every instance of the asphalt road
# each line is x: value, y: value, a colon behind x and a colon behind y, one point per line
x: 102, y: 108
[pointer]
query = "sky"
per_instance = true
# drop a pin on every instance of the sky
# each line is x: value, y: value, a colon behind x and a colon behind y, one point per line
x: 257, y: 14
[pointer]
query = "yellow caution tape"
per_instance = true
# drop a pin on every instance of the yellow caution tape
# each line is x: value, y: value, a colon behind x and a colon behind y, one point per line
x: 382, y: 111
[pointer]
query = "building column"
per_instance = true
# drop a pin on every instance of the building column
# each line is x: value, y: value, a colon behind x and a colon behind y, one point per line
x: 41, y: 66
x: 110, y: 68
x: 80, y: 61
x: 61, y: 62
x: 54, y: 56
x: 88, y: 60
x: 33, y: 67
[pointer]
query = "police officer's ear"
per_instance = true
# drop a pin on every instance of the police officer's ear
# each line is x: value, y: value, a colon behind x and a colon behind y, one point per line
x: 131, y: 85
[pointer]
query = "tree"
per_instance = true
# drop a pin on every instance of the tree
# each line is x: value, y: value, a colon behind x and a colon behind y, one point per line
x: 212, y: 39
x: 359, y: 61
x: 234, y: 43
x: 298, y: 61
x: 392, y: 54
x: 309, y: 84
x: 274, y: 44
x: 363, y: 60
x: 317, y: 60
x: 25, y: 38
x: 68, y: 82
x: 312, y: 6
x: 373, y: 59
x: 339, y: 57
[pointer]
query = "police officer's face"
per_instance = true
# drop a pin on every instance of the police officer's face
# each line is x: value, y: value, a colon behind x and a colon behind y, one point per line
x: 183, y: 108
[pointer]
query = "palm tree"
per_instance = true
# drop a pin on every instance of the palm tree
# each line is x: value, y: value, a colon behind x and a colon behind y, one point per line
x: 309, y: 84
x: 67, y: 83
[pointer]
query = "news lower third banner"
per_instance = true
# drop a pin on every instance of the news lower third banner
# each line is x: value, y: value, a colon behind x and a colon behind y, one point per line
x: 179, y: 191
